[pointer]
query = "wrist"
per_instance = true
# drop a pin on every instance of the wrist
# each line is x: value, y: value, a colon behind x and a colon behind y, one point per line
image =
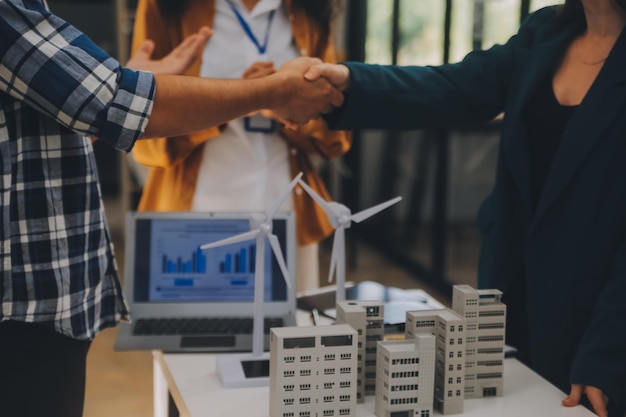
x: 274, y: 90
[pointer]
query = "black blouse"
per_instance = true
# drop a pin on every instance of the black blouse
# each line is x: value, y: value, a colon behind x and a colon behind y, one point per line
x: 546, y: 120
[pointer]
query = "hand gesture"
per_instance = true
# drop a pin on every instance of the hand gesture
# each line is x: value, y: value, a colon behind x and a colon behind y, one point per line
x: 304, y: 100
x: 595, y: 396
x: 177, y: 61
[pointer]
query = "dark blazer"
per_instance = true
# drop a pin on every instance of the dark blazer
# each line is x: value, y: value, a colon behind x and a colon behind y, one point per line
x: 568, y: 257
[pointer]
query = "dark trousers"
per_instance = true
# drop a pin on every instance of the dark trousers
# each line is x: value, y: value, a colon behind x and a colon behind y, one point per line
x: 42, y: 373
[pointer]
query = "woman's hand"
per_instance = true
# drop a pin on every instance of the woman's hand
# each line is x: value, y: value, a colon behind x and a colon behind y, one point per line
x: 595, y: 396
x: 259, y: 69
x: 177, y: 61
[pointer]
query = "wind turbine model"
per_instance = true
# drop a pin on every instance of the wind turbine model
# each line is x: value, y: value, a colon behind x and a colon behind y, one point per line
x: 341, y: 218
x: 261, y: 228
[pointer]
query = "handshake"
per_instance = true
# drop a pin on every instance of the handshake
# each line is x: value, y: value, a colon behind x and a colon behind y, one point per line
x: 300, y: 90
x: 307, y: 88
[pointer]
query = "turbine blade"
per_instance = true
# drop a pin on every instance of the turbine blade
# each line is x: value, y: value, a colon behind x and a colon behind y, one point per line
x: 279, y: 201
x: 333, y: 256
x: 367, y: 213
x: 318, y: 199
x: 234, y: 239
x: 278, y: 253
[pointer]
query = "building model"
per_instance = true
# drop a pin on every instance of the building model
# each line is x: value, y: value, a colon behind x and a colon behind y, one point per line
x: 447, y: 355
x: 448, y: 328
x: 313, y: 371
x: 404, y: 383
x: 485, y: 333
x: 367, y: 318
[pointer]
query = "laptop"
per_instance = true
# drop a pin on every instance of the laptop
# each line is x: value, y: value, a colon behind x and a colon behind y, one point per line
x: 185, y: 299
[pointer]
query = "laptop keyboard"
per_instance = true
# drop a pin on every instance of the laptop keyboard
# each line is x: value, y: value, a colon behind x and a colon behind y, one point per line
x: 200, y: 326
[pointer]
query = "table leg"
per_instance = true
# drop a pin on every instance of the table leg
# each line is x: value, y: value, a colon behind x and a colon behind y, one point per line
x: 161, y: 393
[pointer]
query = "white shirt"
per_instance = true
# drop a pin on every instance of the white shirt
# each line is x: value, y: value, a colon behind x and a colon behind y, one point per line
x: 241, y: 170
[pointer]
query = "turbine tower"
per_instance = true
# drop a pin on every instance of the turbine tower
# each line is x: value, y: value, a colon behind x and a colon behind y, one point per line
x: 341, y: 218
x: 261, y: 228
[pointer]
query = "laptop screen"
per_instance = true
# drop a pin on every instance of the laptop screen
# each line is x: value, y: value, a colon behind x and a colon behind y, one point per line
x: 169, y: 266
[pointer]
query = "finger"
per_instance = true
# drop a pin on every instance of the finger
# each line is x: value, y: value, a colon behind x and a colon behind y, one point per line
x: 574, y: 396
x: 193, y: 44
x: 336, y: 98
x: 145, y: 50
x: 313, y: 73
x: 597, y: 400
x: 252, y: 69
x: 290, y: 124
x: 205, y: 32
x: 258, y: 73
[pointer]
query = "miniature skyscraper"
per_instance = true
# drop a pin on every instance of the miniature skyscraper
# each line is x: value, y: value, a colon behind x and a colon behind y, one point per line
x: 448, y: 328
x: 367, y: 318
x: 405, y: 377
x: 313, y: 371
x: 485, y: 330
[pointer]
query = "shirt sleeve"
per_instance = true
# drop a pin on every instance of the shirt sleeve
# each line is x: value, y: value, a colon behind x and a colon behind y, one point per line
x: 54, y: 68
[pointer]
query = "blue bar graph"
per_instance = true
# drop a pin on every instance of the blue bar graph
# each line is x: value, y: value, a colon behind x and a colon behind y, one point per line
x: 195, y: 264
x: 241, y: 262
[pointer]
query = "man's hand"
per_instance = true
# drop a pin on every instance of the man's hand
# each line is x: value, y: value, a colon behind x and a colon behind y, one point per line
x: 304, y: 100
x: 595, y: 396
x: 338, y: 75
x: 177, y: 61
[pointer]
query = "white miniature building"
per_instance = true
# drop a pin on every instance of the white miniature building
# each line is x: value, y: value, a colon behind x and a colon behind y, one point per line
x: 367, y: 318
x: 313, y: 371
x: 485, y: 334
x: 448, y: 328
x: 405, y: 377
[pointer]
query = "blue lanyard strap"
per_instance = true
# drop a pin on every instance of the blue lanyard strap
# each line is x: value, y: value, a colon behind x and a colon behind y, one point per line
x: 246, y: 28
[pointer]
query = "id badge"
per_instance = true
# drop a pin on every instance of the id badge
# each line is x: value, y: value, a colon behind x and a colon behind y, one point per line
x: 258, y: 123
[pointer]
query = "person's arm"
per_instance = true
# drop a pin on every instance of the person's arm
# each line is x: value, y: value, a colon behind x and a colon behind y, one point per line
x: 153, y: 27
x: 67, y: 77
x: 187, y: 104
x: 411, y: 97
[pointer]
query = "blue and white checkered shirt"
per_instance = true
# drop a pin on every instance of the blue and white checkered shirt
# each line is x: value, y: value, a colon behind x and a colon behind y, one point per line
x: 56, y: 88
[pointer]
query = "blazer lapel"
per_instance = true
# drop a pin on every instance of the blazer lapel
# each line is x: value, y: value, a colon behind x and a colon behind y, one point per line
x: 604, y: 101
x: 538, y: 64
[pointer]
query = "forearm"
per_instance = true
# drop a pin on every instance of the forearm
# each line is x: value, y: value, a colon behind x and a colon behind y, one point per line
x: 187, y: 104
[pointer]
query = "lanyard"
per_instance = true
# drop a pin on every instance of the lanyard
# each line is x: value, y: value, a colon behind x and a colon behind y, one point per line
x: 246, y: 28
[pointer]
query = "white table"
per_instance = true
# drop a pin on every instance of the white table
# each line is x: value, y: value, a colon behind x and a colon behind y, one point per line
x: 194, y: 385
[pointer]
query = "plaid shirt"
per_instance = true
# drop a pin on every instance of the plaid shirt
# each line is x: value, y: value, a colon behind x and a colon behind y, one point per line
x: 56, y: 88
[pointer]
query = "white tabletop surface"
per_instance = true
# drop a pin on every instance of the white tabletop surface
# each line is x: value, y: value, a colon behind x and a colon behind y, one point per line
x: 197, y: 391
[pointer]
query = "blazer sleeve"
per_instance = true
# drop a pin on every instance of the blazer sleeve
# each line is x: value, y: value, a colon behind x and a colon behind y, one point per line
x: 474, y: 90
x: 601, y: 356
x: 315, y: 136
x: 163, y: 152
